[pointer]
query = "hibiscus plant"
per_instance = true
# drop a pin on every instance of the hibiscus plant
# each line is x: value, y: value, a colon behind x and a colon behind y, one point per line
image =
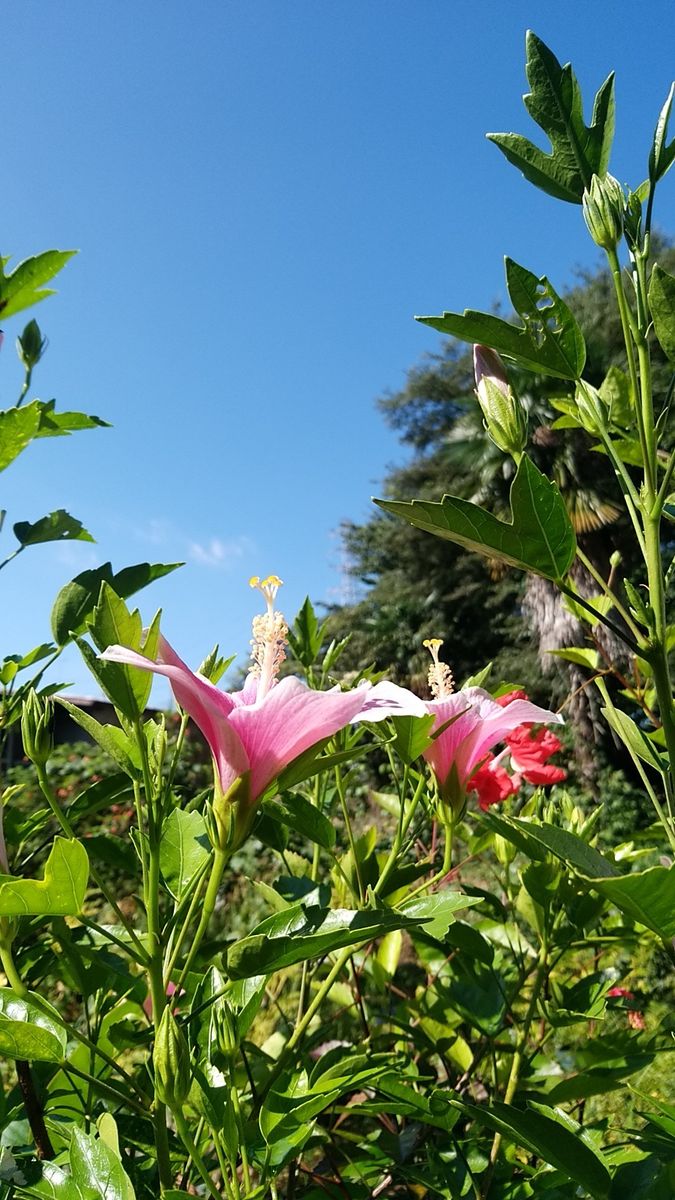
x: 380, y: 952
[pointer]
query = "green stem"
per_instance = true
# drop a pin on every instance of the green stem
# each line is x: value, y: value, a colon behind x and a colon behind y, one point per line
x: 602, y: 583
x: 658, y: 654
x: 514, y: 1074
x: 220, y: 860
x: 189, y: 1143
x: 598, y: 616
x: 234, y: 1095
x: 105, y: 1089
x: 404, y: 820
x: 67, y: 830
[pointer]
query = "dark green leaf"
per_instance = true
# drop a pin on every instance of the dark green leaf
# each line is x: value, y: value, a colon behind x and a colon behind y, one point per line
x: 184, y: 849
x: 54, y: 1184
x: 578, y: 151
x: 549, y: 340
x: 27, y: 1030
x: 298, y: 934
x: 76, y: 601
x: 298, y: 813
x: 59, y: 526
x: 635, y: 740
x: 412, y: 736
x: 307, y: 634
x: 551, y: 1135
x: 113, y: 624
x: 110, y: 738
x: 59, y: 894
x: 539, y: 538
x: 23, y: 286
x: 662, y: 307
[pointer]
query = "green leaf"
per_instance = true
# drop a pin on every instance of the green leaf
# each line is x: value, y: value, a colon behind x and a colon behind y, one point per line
x: 113, y: 624
x: 183, y: 851
x: 110, y: 738
x: 635, y: 739
x: 412, y: 736
x: 437, y: 911
x: 307, y: 634
x: 76, y: 601
x: 578, y: 151
x: 300, y: 933
x: 581, y: 655
x: 24, y: 285
x: 539, y: 538
x: 549, y: 341
x: 96, y: 1169
x: 661, y: 297
x: 61, y: 424
x: 296, y: 812
x: 59, y: 526
x: 550, y: 1134
x: 54, y: 1184
x: 18, y: 427
x: 59, y: 894
x: 27, y: 1031
x: 645, y: 896
x: 662, y: 155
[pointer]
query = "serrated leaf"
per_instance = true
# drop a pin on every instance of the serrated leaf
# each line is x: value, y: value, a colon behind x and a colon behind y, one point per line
x: 661, y: 297
x: 61, y: 891
x: 539, y: 538
x: 183, y: 851
x: 76, y: 601
x: 438, y: 910
x: 296, y: 812
x: 113, y: 624
x: 96, y: 1169
x: 549, y: 1134
x: 412, y: 736
x: 306, y: 635
x: 58, y: 526
x: 549, y: 340
x: 578, y: 151
x: 662, y: 155
x: 27, y: 1031
x: 23, y: 286
x: 300, y: 933
x: 18, y: 427
x: 110, y: 738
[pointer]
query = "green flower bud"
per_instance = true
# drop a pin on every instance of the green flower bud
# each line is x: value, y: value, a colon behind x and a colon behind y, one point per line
x: 31, y: 345
x: 505, y: 850
x: 505, y: 418
x: 591, y: 408
x: 603, y: 206
x: 230, y: 815
x: 37, y: 719
x: 225, y: 1024
x: 171, y: 1061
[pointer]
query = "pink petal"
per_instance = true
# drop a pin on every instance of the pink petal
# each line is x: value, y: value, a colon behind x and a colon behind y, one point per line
x: 387, y: 699
x: 205, y: 703
x: 290, y: 719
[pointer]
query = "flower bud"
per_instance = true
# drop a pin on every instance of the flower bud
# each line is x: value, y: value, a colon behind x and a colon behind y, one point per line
x: 603, y: 206
x: 504, y: 417
x: 171, y: 1061
x: 37, y: 720
x: 505, y: 850
x: 31, y: 345
x: 591, y: 409
x: 225, y: 1024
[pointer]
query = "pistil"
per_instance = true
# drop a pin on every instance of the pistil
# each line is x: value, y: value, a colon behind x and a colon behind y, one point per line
x: 270, y: 635
x: 440, y: 677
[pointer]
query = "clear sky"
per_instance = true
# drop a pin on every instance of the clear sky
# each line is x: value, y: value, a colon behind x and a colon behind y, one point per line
x: 263, y: 193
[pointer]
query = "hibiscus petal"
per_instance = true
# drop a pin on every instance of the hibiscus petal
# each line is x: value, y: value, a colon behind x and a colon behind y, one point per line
x: 290, y: 719
x: 201, y: 700
x: 387, y: 699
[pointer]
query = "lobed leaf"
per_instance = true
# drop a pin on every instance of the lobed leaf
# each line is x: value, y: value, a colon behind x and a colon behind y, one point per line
x: 539, y: 538
x: 60, y: 893
x: 577, y: 151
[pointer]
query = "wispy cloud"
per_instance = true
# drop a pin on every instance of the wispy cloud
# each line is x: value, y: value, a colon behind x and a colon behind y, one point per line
x: 218, y: 553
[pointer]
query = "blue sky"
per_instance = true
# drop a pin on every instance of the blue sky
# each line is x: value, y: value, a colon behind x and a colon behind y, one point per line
x: 263, y: 193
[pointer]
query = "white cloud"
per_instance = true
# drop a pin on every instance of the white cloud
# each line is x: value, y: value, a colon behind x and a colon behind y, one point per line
x: 218, y: 553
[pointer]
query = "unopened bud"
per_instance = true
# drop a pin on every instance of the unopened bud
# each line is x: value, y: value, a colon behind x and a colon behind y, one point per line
x: 505, y: 850
x: 31, y: 345
x: 37, y: 720
x: 603, y: 206
x: 226, y: 1029
x: 591, y: 408
x: 229, y: 816
x: 171, y: 1061
x: 504, y: 416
